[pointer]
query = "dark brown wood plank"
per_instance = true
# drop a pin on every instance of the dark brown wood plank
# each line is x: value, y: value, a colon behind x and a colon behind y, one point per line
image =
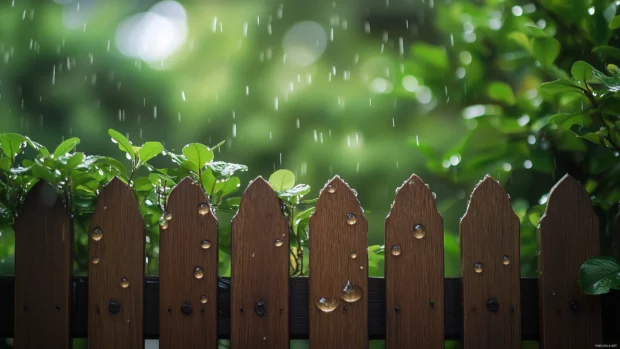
x: 414, y: 269
x: 338, y: 270
x: 188, y: 271
x: 491, y: 270
x: 259, y: 271
x: 43, y: 245
x: 116, y: 270
x: 568, y: 236
x: 616, y: 235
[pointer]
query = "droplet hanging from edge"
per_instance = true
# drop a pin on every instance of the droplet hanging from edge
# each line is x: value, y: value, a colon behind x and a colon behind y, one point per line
x: 96, y: 260
x: 124, y: 282
x: 203, y: 208
x: 351, y: 218
x: 351, y: 292
x: 418, y: 231
x: 278, y: 243
x: 478, y: 267
x: 97, y: 234
x: 205, y: 244
x: 164, y: 225
x: 198, y: 273
x: 396, y: 250
x: 168, y: 216
x: 326, y: 304
x: 353, y: 255
x: 331, y: 189
x: 505, y: 260
x: 203, y: 299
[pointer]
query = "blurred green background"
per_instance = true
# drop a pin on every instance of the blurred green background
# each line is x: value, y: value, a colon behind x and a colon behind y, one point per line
x: 370, y: 90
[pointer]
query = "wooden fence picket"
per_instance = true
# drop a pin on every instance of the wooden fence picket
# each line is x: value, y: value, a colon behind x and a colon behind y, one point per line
x: 414, y: 269
x: 568, y: 236
x: 491, y: 270
x: 259, y: 298
x: 116, y: 271
x: 188, y: 271
x: 43, y: 265
x: 338, y: 270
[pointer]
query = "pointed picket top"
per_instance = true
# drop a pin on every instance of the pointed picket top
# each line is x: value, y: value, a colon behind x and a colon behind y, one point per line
x: 43, y: 244
x: 568, y: 234
x: 189, y: 241
x: 338, y: 261
x: 414, y: 264
x: 260, y: 251
x: 490, y: 264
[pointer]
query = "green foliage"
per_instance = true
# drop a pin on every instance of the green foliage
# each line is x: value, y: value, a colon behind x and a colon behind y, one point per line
x: 599, y: 274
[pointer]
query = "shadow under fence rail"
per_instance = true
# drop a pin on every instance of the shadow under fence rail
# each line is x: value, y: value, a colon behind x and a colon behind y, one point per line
x: 337, y: 306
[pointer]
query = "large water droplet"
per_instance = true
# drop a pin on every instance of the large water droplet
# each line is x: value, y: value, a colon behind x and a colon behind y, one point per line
x: 326, y: 304
x: 418, y: 231
x: 478, y: 267
x: 353, y: 255
x: 205, y: 244
x: 203, y: 299
x: 505, y: 260
x: 396, y: 250
x: 278, y: 243
x: 351, y: 292
x: 164, y: 225
x: 198, y: 273
x: 351, y: 218
x: 203, y: 208
x: 331, y: 189
x: 96, y: 260
x: 97, y: 234
x: 168, y: 216
x: 124, y: 282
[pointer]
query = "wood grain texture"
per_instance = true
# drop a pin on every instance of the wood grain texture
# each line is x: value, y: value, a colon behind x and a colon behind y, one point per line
x: 259, y: 271
x: 332, y: 242
x: 43, y: 264
x: 568, y: 236
x: 617, y: 236
x: 121, y: 255
x: 414, y: 277
x: 190, y: 241
x: 490, y: 231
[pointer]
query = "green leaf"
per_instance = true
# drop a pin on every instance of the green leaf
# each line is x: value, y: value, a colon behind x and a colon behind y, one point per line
x: 546, y: 50
x: 5, y: 164
x: 608, y: 52
x: 75, y: 160
x: 143, y: 184
x: 198, y: 156
x: 521, y: 39
x: 208, y: 181
x: 148, y: 151
x: 42, y: 172
x: 431, y: 56
x: 599, y: 274
x: 231, y: 185
x: 223, y: 169
x: 113, y: 163
x: 614, y: 23
x: 11, y: 144
x: 582, y: 71
x: 561, y: 86
x: 66, y: 147
x: 536, y: 32
x: 535, y: 213
x: 296, y: 191
x: 502, y: 92
x: 123, y: 143
x: 566, y: 120
x: 586, y: 133
x: 282, y: 180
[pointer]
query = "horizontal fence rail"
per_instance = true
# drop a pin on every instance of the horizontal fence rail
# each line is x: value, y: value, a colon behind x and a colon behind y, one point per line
x: 299, y: 310
x: 338, y: 306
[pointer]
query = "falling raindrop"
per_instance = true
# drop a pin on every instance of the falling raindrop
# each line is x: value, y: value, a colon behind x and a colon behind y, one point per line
x: 505, y: 260
x: 203, y: 299
x: 205, y: 244
x: 351, y: 292
x: 396, y: 250
x: 331, y: 189
x: 478, y: 267
x: 97, y: 234
x: 124, y: 282
x: 203, y: 208
x: 351, y: 218
x: 418, y: 231
x: 326, y: 304
x: 198, y: 273
x: 278, y: 243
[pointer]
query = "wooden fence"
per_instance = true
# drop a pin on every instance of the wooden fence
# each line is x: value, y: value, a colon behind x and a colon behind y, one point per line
x: 338, y: 306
